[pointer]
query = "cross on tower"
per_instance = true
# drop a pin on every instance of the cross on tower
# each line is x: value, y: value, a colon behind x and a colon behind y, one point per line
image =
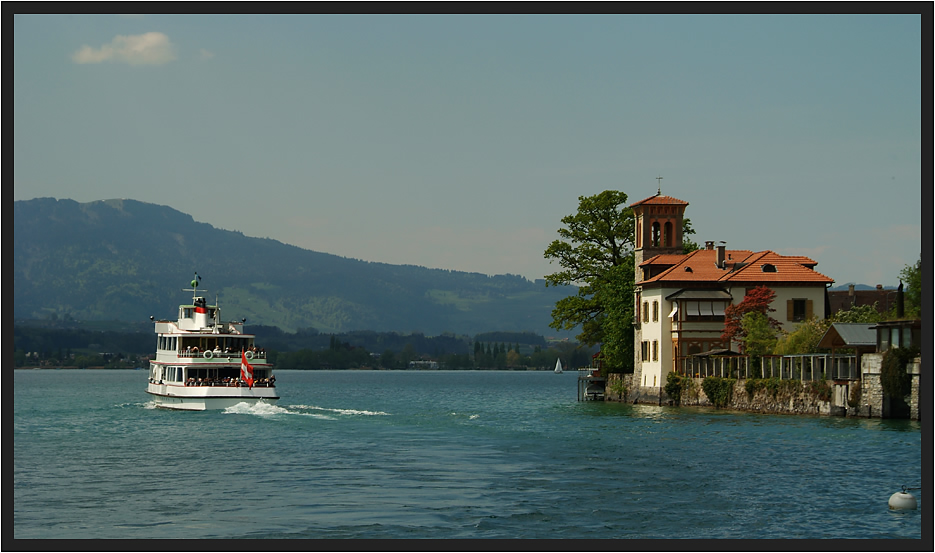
x: 659, y: 183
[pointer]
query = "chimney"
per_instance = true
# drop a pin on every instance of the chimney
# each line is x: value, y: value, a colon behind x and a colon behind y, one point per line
x: 900, y: 301
x: 709, y: 244
x: 720, y: 256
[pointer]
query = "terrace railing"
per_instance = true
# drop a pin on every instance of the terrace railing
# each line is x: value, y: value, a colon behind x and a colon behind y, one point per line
x: 785, y: 367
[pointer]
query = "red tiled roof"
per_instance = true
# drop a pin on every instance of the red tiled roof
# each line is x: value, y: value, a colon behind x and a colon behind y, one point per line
x: 659, y: 199
x: 740, y: 266
x: 664, y: 259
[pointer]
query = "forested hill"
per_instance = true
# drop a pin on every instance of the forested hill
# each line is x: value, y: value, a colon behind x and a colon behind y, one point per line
x: 127, y: 260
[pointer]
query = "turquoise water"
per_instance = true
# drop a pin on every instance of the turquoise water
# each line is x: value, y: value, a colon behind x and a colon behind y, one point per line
x: 438, y: 454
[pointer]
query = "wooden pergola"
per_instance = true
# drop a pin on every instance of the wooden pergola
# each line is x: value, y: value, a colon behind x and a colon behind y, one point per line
x: 859, y: 337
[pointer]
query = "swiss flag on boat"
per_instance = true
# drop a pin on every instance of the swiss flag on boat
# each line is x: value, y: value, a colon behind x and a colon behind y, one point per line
x: 246, y: 369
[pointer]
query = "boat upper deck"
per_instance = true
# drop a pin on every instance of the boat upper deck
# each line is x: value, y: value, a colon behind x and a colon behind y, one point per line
x: 199, y: 337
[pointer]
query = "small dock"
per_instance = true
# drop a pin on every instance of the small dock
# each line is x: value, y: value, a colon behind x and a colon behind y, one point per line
x: 590, y: 384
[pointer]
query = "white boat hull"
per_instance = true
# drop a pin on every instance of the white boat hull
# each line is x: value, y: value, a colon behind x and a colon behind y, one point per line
x: 207, y: 398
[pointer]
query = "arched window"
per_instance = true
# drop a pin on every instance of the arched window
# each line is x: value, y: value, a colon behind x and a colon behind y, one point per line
x: 667, y: 237
x: 655, y: 238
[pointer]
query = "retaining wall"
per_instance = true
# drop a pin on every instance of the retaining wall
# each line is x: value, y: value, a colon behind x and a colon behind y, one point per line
x: 862, y: 398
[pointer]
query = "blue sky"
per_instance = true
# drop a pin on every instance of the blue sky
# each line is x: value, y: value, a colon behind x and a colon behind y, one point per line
x: 459, y: 142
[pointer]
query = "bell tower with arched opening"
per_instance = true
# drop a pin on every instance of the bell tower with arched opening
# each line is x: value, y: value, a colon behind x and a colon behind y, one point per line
x: 658, y: 227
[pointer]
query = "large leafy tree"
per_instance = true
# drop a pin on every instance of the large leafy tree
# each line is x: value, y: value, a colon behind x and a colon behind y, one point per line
x: 617, y: 324
x: 595, y: 240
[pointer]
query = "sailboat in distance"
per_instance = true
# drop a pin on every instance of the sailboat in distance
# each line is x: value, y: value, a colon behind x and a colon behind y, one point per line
x: 558, y: 366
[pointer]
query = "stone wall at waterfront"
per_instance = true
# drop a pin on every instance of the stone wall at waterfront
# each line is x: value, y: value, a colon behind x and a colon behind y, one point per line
x: 871, y: 388
x: 915, y: 405
x: 618, y: 387
x: 863, y: 398
x: 872, y: 402
x: 792, y: 397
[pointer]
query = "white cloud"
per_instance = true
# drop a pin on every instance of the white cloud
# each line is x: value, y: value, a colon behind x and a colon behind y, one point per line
x: 145, y: 49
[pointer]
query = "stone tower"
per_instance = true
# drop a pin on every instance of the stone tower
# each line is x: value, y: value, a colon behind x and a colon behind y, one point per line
x: 658, y: 229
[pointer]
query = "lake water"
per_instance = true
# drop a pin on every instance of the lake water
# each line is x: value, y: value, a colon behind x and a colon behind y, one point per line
x: 439, y: 454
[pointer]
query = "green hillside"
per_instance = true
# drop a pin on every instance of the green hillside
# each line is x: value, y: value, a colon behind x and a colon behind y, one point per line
x: 127, y: 260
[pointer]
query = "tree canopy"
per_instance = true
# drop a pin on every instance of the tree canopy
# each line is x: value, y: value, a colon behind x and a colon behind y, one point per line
x: 760, y: 336
x: 911, y: 276
x: 595, y: 240
x: 688, y: 245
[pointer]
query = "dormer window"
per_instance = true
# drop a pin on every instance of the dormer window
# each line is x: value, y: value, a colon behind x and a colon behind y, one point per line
x: 768, y: 268
x: 688, y: 269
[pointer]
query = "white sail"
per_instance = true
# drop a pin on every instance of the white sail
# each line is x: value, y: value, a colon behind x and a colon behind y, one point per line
x: 558, y: 365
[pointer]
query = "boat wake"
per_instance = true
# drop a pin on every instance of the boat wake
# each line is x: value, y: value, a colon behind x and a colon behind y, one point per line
x: 258, y: 408
x: 342, y: 411
x: 463, y: 415
x: 266, y: 409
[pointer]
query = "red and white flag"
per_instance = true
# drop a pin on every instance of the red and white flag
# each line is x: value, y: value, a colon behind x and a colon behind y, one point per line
x: 246, y: 369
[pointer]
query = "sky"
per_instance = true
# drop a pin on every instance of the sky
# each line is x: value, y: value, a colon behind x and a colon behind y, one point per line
x: 459, y: 142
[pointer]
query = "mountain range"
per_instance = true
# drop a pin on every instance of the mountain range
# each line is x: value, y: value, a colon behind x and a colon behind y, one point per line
x: 129, y: 260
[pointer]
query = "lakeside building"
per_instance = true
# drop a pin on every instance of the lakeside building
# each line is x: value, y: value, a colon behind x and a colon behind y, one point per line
x: 882, y: 299
x: 680, y: 298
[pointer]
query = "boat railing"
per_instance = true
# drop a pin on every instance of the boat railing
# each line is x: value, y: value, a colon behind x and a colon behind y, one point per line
x: 264, y: 383
x: 191, y: 354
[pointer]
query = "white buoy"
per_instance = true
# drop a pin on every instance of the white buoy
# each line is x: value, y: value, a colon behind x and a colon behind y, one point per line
x: 903, y: 501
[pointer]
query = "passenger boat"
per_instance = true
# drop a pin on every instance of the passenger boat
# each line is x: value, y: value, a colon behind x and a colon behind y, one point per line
x: 202, y: 363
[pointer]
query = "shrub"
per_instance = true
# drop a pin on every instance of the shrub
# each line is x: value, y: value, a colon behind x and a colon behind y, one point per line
x: 853, y: 399
x: 774, y: 386
x: 821, y: 389
x: 895, y: 380
x: 673, y: 388
x: 618, y: 389
x: 719, y: 390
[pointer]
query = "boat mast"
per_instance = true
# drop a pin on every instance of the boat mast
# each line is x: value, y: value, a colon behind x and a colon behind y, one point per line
x: 194, y: 288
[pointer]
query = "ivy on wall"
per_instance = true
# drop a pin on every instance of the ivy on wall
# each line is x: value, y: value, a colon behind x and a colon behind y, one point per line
x: 719, y: 390
x: 896, y: 380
